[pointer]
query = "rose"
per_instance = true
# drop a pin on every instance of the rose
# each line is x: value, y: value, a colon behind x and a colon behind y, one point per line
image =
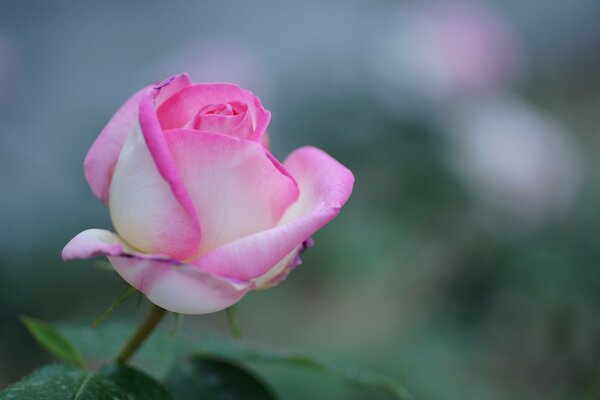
x: 203, y: 212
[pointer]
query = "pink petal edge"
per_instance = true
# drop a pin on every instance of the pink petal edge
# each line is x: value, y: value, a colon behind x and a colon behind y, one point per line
x: 325, y: 186
x: 238, y: 188
x: 102, y: 157
x: 157, y: 144
x: 168, y: 283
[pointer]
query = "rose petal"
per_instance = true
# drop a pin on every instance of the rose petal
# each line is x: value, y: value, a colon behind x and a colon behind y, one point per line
x: 101, y: 158
x: 279, y: 271
x: 171, y: 86
x: 180, y: 288
x: 324, y: 184
x: 93, y: 243
x: 144, y: 210
x: 234, y: 125
x: 182, y: 107
x: 176, y: 287
x: 283, y: 268
x: 163, y: 159
x: 237, y: 187
x: 264, y: 141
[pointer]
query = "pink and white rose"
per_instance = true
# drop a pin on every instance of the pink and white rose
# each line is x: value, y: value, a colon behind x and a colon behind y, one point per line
x: 203, y: 212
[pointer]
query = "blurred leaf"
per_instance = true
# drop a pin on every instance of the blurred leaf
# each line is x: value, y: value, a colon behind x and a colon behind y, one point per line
x: 158, y: 354
x: 161, y: 351
x: 52, y: 340
x: 132, y: 383
x: 99, y: 343
x: 60, y: 382
x: 211, y: 379
x: 51, y: 382
x: 127, y: 292
x: 254, y: 353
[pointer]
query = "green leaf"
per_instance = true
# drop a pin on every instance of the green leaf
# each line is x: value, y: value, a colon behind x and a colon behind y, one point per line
x: 60, y: 382
x: 162, y: 351
x: 260, y: 354
x: 52, y: 382
x: 158, y: 354
x: 129, y: 383
x: 212, y: 379
x: 52, y: 340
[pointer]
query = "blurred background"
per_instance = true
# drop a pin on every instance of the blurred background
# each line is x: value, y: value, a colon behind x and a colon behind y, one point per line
x: 466, y: 262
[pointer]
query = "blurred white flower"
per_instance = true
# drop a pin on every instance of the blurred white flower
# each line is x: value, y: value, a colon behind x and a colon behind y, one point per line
x: 515, y: 158
x: 437, y: 50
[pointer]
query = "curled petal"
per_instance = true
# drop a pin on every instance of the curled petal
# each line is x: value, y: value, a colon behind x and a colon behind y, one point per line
x: 94, y: 243
x: 168, y: 283
x: 237, y: 187
x: 324, y: 185
x: 102, y: 157
x: 157, y: 144
x: 171, y: 86
x: 283, y: 268
x: 181, y: 108
x: 234, y: 125
x: 281, y: 271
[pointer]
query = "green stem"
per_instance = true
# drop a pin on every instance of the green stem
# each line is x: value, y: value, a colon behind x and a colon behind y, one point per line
x: 142, y: 333
x: 129, y: 290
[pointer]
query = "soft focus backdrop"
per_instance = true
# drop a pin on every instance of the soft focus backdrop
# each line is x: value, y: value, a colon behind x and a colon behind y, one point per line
x: 466, y: 263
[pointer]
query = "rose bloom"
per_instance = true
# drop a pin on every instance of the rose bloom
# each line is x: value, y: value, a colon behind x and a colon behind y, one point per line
x: 203, y: 212
x: 516, y: 159
x: 443, y: 49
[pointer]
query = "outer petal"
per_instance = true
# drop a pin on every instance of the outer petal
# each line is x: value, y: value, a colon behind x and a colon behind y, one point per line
x: 171, y: 86
x: 182, y: 107
x: 283, y: 268
x: 159, y: 150
x: 237, y: 188
x: 94, y: 243
x: 101, y: 158
x: 177, y: 287
x: 144, y: 210
x: 324, y: 184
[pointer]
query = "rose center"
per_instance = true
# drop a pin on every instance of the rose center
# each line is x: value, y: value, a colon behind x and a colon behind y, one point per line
x: 228, y: 118
x: 233, y: 108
